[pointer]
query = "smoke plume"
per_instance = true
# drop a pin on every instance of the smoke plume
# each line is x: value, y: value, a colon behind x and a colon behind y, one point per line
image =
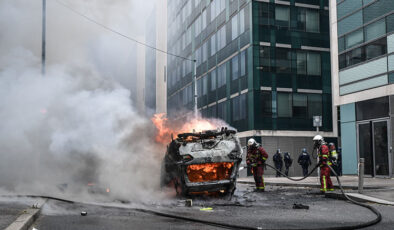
x: 77, y: 124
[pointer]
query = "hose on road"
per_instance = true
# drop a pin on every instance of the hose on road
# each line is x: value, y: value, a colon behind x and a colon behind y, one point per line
x: 232, y: 226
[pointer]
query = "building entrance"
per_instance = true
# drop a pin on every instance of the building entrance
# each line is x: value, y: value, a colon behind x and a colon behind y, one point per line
x: 373, y: 146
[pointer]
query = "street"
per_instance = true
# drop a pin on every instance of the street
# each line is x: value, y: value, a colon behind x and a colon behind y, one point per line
x: 272, y: 209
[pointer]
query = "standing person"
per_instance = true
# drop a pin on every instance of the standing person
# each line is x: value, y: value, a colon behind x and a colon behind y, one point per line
x: 278, y: 161
x: 323, y: 154
x: 288, y: 161
x: 256, y: 158
x: 304, y: 160
x: 333, y: 156
x: 339, y: 162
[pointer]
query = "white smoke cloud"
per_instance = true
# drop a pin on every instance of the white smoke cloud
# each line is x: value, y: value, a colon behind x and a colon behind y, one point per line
x: 76, y: 124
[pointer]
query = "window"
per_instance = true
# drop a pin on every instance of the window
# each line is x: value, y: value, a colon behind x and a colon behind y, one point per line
x: 347, y: 6
x: 375, y: 30
x: 284, y: 106
x: 242, y: 21
x: 265, y: 58
x: 222, y: 113
x: 197, y: 26
x: 355, y: 56
x: 204, y: 18
x: 222, y: 38
x: 221, y: 75
x: 301, y: 19
x: 235, y: 108
x: 220, y: 5
x: 243, y: 63
x: 301, y: 62
x: 243, y: 106
x: 283, y: 60
x: 361, y: 54
x: 312, y: 21
x: 199, y: 87
x: 234, y: 68
x: 213, y: 80
x: 314, y: 63
x: 341, y: 44
x: 213, y: 44
x: 213, y: 14
x: 314, y: 105
x: 234, y: 27
x: 204, y: 85
x: 300, y: 105
x: 376, y: 48
x: 354, y: 38
x: 282, y: 16
x: 350, y: 23
x: 204, y: 51
x: 199, y: 55
x: 266, y: 104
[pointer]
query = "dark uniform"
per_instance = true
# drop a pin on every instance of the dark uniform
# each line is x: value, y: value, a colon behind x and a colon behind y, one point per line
x: 288, y: 162
x: 256, y: 158
x: 304, y: 160
x: 278, y: 161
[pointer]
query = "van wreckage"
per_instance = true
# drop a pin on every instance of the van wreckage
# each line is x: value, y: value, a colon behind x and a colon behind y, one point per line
x: 202, y: 163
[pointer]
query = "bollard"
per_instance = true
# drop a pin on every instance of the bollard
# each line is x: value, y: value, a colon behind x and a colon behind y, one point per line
x: 361, y: 175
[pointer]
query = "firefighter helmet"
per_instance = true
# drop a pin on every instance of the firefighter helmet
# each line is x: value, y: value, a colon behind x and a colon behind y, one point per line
x: 318, y: 141
x: 251, y: 142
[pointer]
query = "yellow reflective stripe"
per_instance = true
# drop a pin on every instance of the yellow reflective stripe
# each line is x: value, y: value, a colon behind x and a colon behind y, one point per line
x: 324, y: 182
x: 329, y: 163
x: 260, y: 187
x: 331, y: 189
x: 264, y: 158
x: 334, y: 152
x: 324, y: 155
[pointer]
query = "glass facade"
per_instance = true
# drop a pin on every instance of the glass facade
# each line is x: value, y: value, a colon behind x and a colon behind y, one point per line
x: 274, y: 77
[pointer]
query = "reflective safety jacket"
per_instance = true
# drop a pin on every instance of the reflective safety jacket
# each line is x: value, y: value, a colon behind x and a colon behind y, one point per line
x: 256, y: 156
x: 333, y: 155
x: 324, y: 154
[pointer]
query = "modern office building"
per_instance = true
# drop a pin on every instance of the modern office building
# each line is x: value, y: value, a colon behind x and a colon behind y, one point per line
x: 262, y: 66
x: 362, y: 41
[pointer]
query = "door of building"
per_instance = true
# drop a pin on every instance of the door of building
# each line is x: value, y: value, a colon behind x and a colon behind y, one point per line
x: 373, y: 146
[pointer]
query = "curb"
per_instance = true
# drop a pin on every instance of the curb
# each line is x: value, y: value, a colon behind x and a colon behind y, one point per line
x: 359, y: 197
x: 24, y: 221
x: 346, y: 187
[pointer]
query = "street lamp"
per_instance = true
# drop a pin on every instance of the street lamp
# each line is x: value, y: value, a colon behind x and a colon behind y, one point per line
x: 43, y: 37
x: 317, y: 122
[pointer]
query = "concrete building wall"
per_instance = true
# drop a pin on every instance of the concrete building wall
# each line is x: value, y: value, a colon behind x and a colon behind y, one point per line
x: 161, y: 58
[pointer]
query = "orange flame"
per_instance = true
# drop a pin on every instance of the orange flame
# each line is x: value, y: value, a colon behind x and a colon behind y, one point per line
x: 165, y: 129
x: 209, y: 171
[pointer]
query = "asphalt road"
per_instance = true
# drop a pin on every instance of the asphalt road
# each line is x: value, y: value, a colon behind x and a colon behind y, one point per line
x: 11, y: 208
x: 269, y: 210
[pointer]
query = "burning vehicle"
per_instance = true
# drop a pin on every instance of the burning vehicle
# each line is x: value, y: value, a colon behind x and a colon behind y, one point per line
x: 199, y: 163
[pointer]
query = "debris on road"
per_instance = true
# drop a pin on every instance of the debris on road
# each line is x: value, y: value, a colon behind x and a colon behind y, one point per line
x: 189, y: 203
x: 84, y: 213
x: 300, y: 206
x: 207, y: 209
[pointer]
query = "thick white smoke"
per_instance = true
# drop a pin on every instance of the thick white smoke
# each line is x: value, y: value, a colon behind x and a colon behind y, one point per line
x: 77, y: 123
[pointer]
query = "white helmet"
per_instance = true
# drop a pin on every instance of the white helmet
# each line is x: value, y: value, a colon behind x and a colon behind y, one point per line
x: 251, y: 142
x: 318, y: 138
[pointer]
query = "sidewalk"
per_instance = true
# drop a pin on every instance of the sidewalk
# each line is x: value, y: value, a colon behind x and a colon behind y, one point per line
x: 348, y: 182
x: 376, y: 190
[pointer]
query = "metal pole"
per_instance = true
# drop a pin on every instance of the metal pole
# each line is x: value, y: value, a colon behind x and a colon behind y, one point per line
x: 361, y: 176
x: 195, y: 87
x: 43, y: 37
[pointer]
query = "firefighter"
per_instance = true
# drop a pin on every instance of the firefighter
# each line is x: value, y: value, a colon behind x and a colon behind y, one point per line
x: 333, y: 157
x: 324, y: 160
x: 304, y: 160
x: 255, y: 159
x: 278, y: 161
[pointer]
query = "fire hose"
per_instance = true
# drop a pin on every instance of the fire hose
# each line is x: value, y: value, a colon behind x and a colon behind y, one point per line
x: 231, y: 226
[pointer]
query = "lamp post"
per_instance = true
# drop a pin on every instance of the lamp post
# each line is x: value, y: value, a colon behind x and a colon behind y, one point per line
x: 195, y: 87
x: 43, y: 37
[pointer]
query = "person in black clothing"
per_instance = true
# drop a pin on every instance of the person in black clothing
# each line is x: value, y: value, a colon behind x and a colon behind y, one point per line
x: 288, y: 161
x: 304, y: 160
x: 278, y: 161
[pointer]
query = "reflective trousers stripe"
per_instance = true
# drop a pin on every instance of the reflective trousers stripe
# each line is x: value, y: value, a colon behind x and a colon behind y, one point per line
x: 324, y: 182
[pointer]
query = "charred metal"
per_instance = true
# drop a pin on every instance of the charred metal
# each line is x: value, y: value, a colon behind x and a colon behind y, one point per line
x: 206, y: 162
